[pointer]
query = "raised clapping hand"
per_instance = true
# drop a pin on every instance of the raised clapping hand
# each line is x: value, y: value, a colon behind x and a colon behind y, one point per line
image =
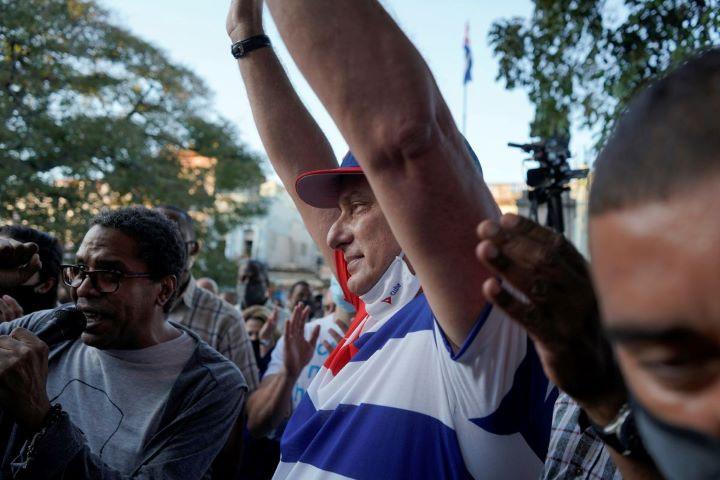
x: 298, y: 351
x: 23, y: 378
x: 18, y: 262
x: 560, y: 314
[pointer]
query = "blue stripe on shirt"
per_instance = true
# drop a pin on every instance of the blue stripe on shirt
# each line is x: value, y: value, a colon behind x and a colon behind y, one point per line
x: 527, y: 408
x: 395, y: 443
x: 416, y: 316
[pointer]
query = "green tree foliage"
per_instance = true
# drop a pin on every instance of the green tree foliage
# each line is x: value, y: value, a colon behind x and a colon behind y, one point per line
x: 582, y: 60
x: 92, y: 116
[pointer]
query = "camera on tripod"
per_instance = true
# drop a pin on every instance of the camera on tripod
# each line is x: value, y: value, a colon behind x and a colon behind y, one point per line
x: 550, y: 179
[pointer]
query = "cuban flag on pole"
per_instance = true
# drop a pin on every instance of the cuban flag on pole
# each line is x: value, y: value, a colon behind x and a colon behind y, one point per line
x: 468, y: 55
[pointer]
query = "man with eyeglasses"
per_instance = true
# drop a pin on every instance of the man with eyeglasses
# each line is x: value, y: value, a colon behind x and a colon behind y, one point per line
x: 136, y: 396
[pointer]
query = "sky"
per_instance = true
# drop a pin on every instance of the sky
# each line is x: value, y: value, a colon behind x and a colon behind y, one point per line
x: 192, y: 33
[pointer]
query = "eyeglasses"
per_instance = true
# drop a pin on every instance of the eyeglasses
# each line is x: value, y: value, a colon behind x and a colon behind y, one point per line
x: 104, y: 281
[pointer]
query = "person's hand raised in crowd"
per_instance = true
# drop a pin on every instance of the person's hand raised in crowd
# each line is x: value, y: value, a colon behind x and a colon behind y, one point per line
x: 23, y: 378
x: 266, y: 335
x: 298, y: 351
x: 559, y: 311
x: 10, y: 309
x: 18, y: 262
x: 244, y: 19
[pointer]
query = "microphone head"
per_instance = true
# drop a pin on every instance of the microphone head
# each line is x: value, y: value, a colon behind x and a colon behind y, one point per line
x: 73, y: 322
x: 65, y: 323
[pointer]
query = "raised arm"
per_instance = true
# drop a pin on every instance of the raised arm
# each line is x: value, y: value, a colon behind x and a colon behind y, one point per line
x: 385, y: 102
x: 292, y: 139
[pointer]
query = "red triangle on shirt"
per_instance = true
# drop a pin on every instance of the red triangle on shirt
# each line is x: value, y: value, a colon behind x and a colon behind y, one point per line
x: 388, y: 300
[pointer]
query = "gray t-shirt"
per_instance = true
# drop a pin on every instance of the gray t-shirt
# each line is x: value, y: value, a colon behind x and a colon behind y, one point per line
x: 116, y: 397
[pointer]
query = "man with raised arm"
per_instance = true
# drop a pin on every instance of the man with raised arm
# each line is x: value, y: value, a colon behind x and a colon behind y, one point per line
x: 429, y: 382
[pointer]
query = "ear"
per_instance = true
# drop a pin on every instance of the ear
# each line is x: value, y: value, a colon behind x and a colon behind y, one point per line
x: 167, y: 287
x: 194, y: 249
x: 46, y: 286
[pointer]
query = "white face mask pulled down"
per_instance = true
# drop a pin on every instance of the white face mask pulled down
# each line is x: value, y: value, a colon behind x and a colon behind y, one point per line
x: 396, y: 287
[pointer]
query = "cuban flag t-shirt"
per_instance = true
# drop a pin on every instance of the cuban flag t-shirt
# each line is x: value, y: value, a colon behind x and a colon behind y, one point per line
x: 394, y: 401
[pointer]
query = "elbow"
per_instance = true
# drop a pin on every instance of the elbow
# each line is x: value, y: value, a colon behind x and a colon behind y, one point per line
x: 405, y: 142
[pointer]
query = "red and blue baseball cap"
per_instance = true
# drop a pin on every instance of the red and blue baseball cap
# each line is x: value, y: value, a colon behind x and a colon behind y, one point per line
x: 321, y: 188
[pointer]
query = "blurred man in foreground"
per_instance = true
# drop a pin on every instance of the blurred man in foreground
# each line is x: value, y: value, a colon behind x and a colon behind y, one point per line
x: 655, y: 242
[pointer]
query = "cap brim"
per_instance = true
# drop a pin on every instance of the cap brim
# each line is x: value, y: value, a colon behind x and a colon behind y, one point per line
x: 321, y: 188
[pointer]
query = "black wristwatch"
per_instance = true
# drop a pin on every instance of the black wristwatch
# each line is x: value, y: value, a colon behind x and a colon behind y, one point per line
x: 620, y: 434
x: 243, y: 47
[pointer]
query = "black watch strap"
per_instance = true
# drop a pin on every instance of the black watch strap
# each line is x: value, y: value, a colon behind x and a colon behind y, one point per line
x: 243, y: 47
x: 621, y: 434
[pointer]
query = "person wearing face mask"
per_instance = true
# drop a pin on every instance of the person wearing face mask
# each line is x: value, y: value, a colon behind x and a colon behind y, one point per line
x: 429, y: 381
x: 39, y: 292
x: 654, y: 243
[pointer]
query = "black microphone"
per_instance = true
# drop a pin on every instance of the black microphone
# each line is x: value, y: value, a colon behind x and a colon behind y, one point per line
x: 63, y: 324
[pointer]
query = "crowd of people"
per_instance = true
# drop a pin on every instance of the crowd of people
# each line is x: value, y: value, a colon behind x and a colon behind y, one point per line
x: 455, y: 342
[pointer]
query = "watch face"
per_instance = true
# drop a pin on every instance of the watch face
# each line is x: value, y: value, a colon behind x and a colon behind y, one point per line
x: 237, y: 50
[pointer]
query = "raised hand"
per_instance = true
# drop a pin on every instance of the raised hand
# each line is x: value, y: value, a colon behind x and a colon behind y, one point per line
x: 18, y: 262
x: 23, y: 378
x: 298, y: 351
x: 559, y: 310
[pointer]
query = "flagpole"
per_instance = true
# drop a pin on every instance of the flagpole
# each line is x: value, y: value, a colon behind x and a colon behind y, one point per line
x: 464, y: 117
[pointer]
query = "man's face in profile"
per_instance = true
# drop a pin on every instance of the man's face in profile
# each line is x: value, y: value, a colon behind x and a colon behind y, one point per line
x: 363, y: 235
x: 656, y: 267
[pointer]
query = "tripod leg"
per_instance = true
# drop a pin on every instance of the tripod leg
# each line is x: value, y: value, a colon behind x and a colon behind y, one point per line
x: 555, y: 212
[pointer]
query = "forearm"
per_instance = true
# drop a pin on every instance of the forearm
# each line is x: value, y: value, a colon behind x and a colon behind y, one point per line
x: 60, y: 450
x: 270, y: 404
x: 384, y: 99
x: 361, y: 65
x: 292, y: 139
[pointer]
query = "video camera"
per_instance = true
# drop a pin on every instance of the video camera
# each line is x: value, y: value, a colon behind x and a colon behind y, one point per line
x: 549, y: 180
x: 552, y: 155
